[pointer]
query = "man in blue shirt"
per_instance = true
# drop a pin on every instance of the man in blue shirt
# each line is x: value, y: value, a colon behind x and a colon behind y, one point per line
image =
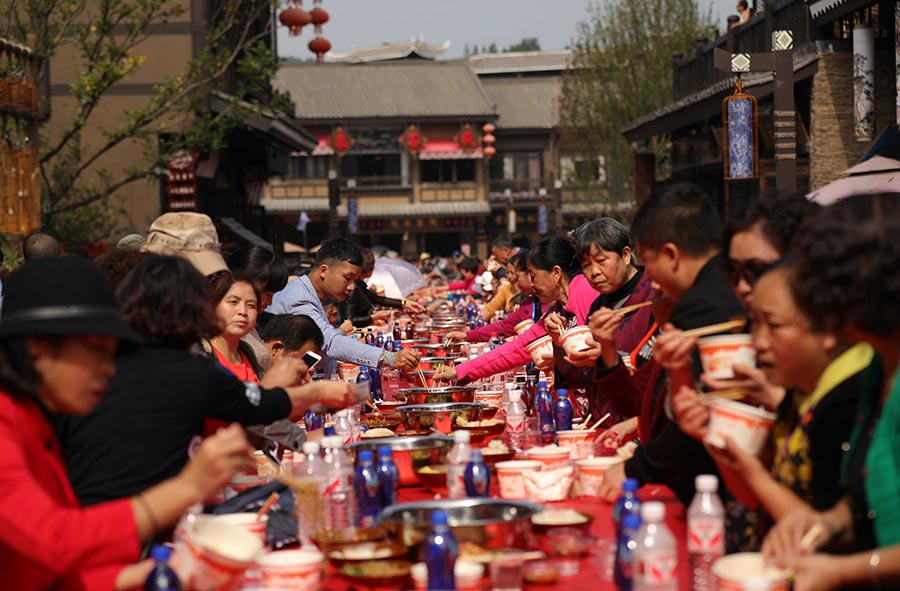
x: 333, y: 277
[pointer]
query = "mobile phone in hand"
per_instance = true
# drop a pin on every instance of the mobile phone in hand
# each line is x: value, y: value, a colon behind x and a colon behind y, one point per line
x: 311, y: 359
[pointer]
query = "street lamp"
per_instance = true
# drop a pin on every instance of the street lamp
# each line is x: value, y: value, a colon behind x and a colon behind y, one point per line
x: 557, y: 188
x: 334, y: 197
x: 510, y: 213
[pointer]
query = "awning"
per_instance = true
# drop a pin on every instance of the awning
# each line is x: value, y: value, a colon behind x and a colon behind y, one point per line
x: 823, y: 11
x: 447, y: 149
x: 274, y: 125
x: 239, y: 230
x: 295, y: 205
x: 405, y: 210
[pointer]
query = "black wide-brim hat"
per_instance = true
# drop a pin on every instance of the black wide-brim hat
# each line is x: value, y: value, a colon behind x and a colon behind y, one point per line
x: 61, y: 296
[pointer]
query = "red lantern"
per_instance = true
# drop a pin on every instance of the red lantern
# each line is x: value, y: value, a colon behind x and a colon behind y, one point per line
x: 340, y: 141
x: 413, y: 140
x: 488, y: 128
x: 319, y: 46
x: 319, y: 17
x: 294, y: 19
x: 489, y: 151
x: 489, y: 139
x: 467, y: 138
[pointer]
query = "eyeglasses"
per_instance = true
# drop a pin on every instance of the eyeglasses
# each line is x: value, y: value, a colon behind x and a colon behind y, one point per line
x: 749, y: 270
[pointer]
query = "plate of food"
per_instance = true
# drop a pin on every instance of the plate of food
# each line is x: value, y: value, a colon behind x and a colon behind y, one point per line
x: 433, y: 477
x: 378, y: 573
x: 366, y: 551
x: 328, y: 540
x: 550, y: 519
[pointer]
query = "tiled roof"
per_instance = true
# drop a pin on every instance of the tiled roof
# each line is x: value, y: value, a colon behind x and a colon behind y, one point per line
x: 525, y: 103
x: 521, y: 61
x: 389, y: 51
x: 407, y: 90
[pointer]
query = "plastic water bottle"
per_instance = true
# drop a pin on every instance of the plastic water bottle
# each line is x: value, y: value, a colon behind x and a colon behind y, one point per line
x: 655, y: 554
x: 624, y: 570
x: 627, y: 504
x: 377, y: 388
x: 515, y: 420
x: 439, y: 552
x: 529, y: 392
x: 310, y: 471
x: 366, y: 378
x: 706, y: 532
x: 494, y: 341
x: 340, y: 501
x: 370, y: 337
x: 313, y: 420
x: 457, y: 459
x: 389, y: 342
x: 379, y: 340
x: 397, y: 332
x: 562, y: 411
x: 543, y: 402
x: 365, y: 482
x: 388, y: 477
x: 162, y: 577
x: 343, y: 427
x: 477, y: 477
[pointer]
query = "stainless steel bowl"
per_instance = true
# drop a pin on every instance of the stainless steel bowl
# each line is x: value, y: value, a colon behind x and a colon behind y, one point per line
x: 416, y: 396
x: 488, y: 523
x: 410, y: 453
x: 440, y: 416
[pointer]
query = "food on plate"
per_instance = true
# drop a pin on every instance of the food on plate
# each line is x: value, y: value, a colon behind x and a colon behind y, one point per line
x: 496, y: 447
x: 376, y: 568
x: 560, y: 517
x: 375, y: 433
x: 362, y: 552
x: 463, y: 422
x: 470, y: 550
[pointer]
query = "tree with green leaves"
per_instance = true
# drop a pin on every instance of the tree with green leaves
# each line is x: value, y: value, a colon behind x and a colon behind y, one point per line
x: 526, y: 44
x: 622, y: 69
x: 235, y: 60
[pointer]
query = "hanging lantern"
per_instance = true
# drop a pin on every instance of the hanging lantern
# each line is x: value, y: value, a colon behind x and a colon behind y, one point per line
x: 488, y: 128
x: 741, y: 131
x: 318, y: 17
x: 413, y: 140
x: 340, y: 141
x: 320, y: 46
x: 294, y: 18
x: 467, y: 138
x: 489, y: 139
x: 489, y: 151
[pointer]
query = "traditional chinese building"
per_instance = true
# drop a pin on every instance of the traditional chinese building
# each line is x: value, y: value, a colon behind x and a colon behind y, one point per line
x: 844, y: 90
x: 401, y: 154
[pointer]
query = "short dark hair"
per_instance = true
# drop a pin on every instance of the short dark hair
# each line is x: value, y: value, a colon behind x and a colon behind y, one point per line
x: 18, y: 376
x: 502, y: 242
x: 779, y: 218
x: 682, y: 214
x: 269, y: 272
x: 604, y: 233
x: 294, y: 330
x: 520, y: 260
x: 338, y: 250
x: 468, y: 264
x: 743, y: 4
x: 368, y: 261
x: 39, y: 246
x: 220, y: 288
x: 847, y: 260
x: 553, y: 251
x: 118, y: 262
x: 168, y: 302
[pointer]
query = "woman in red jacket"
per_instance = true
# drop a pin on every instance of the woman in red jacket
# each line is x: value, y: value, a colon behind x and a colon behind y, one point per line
x: 59, y: 334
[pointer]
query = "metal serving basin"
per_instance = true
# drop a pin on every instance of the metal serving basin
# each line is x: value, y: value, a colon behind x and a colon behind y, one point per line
x: 416, y: 396
x: 410, y: 453
x: 489, y: 523
x: 440, y: 416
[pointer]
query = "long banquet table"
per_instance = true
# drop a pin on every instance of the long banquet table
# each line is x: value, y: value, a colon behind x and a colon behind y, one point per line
x: 588, y: 579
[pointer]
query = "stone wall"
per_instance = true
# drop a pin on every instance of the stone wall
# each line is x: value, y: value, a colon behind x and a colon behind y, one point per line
x: 833, y: 147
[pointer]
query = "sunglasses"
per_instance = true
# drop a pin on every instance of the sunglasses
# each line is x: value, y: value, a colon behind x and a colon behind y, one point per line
x: 750, y: 270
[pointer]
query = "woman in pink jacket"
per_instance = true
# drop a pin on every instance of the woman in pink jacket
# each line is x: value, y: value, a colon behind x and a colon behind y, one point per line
x: 558, y: 283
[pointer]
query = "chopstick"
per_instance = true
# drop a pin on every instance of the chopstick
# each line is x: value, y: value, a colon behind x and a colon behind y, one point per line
x: 584, y: 423
x: 597, y: 424
x: 716, y: 328
x: 266, y: 506
x: 708, y: 397
x: 810, y: 536
x: 424, y: 381
x: 632, y: 308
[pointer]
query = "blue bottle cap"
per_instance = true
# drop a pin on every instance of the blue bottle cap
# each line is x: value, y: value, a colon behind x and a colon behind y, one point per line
x: 476, y: 456
x: 160, y: 553
x: 561, y: 392
x: 385, y: 452
x: 329, y: 430
x: 630, y: 485
x: 365, y: 455
x: 631, y: 521
x: 542, y: 384
x: 438, y: 518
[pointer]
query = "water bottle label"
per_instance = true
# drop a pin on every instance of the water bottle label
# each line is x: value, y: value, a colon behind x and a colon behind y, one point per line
x: 331, y: 487
x: 659, y: 568
x: 515, y: 423
x: 706, y: 536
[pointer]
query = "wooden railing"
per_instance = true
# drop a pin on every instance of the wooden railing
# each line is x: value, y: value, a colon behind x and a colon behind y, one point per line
x: 20, y: 187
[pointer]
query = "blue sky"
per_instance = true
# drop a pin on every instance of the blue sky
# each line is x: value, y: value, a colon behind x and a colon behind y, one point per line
x: 365, y: 23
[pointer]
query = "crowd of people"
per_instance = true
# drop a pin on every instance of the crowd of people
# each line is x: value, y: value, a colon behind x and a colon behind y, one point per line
x: 135, y: 385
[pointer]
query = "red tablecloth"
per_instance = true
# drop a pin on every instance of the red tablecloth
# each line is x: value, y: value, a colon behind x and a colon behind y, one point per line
x: 588, y: 578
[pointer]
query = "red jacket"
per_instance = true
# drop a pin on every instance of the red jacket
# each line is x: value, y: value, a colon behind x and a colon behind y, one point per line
x: 46, y: 540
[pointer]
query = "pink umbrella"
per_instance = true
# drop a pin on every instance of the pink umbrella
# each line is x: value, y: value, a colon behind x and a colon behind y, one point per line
x: 875, y: 175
